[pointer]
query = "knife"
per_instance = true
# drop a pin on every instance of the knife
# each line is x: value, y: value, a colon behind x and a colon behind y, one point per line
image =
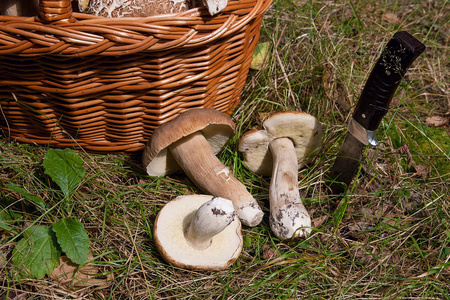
x: 373, y: 103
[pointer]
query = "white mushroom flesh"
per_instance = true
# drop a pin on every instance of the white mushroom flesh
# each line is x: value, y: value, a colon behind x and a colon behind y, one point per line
x: 196, y: 158
x: 288, y: 216
x: 170, y: 236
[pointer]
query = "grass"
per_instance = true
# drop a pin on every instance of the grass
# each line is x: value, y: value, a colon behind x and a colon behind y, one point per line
x: 387, y: 238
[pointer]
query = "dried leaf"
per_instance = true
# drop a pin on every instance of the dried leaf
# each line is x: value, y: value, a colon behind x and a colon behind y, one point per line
x: 421, y: 171
x: 72, y: 275
x: 405, y: 150
x: 317, y: 222
x: 333, y: 88
x: 269, y: 253
x: 328, y: 78
x: 438, y: 121
x: 391, y: 18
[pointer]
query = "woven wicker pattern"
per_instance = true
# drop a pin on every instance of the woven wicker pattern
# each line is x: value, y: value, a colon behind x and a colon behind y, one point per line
x: 75, y: 80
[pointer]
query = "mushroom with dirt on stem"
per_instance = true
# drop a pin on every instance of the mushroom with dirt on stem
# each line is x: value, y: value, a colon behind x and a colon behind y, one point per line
x: 280, y: 149
x: 190, y: 142
x: 198, y: 232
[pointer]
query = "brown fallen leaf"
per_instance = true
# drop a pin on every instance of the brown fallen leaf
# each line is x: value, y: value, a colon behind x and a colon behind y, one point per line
x: 317, y: 222
x: 421, y: 171
x: 438, y: 121
x: 72, y: 275
x: 333, y: 88
x: 269, y: 253
x: 391, y: 18
x: 405, y: 150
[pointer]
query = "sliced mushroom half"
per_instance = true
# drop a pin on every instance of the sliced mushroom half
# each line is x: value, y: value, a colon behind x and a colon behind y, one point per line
x: 198, y: 232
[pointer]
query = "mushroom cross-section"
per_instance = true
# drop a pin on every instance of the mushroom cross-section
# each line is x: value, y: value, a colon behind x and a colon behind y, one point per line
x: 198, y: 232
x: 190, y: 141
x: 281, y: 149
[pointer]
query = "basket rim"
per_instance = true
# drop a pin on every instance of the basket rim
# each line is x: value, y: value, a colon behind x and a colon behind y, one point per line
x: 93, y: 35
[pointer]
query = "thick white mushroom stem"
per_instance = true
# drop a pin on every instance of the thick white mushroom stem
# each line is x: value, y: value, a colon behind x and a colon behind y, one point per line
x: 288, y: 216
x: 210, y: 219
x: 196, y: 158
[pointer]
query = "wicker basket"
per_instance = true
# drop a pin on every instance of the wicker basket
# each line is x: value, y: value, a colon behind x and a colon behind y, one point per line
x: 104, y: 84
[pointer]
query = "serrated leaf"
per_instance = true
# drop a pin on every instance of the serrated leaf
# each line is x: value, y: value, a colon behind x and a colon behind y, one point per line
x: 37, y: 252
x: 73, y: 239
x: 23, y: 192
x: 65, y: 168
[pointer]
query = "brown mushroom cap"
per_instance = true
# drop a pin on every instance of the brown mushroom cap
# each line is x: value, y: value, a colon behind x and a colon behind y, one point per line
x: 133, y: 8
x: 169, y: 236
x: 301, y: 128
x: 216, y: 127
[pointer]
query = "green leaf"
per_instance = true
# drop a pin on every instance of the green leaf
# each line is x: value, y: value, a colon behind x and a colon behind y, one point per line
x: 340, y: 211
x: 439, y: 268
x: 259, y: 60
x: 21, y: 191
x: 73, y: 239
x: 65, y: 168
x: 37, y: 252
x: 6, y: 227
x: 8, y: 217
x: 247, y: 241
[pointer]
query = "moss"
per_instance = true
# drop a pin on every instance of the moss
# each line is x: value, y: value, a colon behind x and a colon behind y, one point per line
x: 429, y: 146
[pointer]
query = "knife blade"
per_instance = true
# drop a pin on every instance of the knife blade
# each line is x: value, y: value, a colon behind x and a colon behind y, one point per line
x: 373, y: 103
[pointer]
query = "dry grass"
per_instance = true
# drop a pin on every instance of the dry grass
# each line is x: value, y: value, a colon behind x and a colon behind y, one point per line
x: 387, y: 238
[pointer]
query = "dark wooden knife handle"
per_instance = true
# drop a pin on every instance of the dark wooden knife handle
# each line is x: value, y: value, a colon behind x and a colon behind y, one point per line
x: 394, y: 61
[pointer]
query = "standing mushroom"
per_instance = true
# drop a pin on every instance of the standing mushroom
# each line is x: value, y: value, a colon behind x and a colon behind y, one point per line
x: 190, y: 141
x: 281, y: 149
x: 198, y: 232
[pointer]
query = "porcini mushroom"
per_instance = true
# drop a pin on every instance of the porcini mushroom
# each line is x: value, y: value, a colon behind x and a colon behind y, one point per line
x: 132, y: 8
x: 198, y: 232
x: 190, y: 141
x: 281, y: 149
